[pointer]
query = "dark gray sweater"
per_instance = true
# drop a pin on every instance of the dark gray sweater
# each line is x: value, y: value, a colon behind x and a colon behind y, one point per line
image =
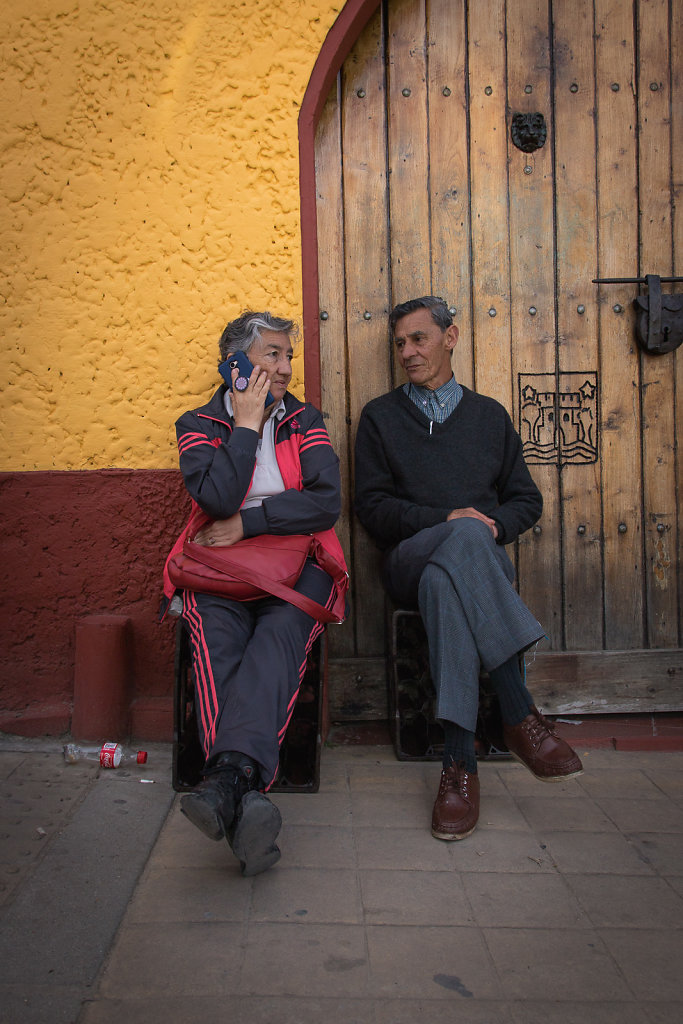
x: 411, y: 473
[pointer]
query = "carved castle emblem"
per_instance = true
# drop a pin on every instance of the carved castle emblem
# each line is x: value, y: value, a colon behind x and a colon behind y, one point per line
x: 558, y: 417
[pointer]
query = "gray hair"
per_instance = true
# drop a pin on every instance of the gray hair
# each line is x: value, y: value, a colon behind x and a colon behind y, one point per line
x: 436, y: 306
x: 240, y: 334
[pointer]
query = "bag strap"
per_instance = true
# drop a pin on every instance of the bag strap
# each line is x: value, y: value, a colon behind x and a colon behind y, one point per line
x: 306, y: 604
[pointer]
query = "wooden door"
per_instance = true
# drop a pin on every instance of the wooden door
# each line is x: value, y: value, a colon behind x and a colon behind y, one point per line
x: 429, y: 179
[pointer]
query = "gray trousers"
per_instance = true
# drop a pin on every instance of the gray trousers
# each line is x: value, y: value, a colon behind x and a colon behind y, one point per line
x: 462, y: 583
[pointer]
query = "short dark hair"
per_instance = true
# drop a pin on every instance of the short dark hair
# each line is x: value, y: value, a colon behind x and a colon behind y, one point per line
x: 240, y: 334
x: 440, y: 312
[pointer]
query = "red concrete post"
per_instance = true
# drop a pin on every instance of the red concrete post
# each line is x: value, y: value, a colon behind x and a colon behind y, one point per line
x: 102, y: 678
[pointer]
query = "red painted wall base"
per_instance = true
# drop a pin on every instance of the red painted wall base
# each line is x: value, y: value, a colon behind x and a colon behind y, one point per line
x: 76, y: 545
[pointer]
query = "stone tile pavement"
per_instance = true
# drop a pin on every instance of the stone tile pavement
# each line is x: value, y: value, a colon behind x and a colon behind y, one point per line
x: 565, y: 905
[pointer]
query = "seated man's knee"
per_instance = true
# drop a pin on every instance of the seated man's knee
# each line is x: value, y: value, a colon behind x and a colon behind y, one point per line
x: 472, y: 542
x: 469, y: 541
x: 468, y: 530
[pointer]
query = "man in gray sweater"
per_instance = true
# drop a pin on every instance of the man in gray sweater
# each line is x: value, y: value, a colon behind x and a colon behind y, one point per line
x: 442, y: 486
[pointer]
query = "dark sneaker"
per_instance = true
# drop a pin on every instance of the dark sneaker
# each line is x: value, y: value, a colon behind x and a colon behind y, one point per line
x: 211, y: 805
x: 253, y: 833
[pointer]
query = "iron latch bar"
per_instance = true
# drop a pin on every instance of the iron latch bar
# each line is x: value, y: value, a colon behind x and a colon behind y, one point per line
x: 634, y: 280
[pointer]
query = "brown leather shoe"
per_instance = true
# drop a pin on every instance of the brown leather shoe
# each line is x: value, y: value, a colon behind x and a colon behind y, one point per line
x: 535, y: 743
x: 456, y: 809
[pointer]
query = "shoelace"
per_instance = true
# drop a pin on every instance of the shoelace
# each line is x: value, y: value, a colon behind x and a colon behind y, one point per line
x: 539, y: 729
x: 462, y: 779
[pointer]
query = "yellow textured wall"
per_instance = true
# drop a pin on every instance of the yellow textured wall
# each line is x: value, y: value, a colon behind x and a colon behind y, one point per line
x: 149, y: 181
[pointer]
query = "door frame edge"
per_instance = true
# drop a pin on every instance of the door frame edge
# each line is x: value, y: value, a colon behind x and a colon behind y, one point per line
x: 348, y: 26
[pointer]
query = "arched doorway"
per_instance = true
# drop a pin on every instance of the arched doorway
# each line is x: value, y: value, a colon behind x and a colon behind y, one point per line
x: 428, y: 178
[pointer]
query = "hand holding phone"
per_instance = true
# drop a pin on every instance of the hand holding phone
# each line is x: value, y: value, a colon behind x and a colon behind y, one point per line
x: 244, y: 367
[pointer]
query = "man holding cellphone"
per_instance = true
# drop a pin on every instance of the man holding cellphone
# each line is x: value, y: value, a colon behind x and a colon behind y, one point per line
x: 442, y: 486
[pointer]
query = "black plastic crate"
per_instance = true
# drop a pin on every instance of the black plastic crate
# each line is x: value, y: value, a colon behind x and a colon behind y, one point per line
x: 299, y: 769
x: 416, y: 734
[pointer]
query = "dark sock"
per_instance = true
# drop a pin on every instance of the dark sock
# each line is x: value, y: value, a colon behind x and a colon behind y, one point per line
x: 459, y: 747
x: 515, y: 700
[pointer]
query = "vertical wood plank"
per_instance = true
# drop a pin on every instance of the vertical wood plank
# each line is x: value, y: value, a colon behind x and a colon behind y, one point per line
x: 677, y: 196
x: 620, y: 422
x: 532, y: 292
x: 489, y: 202
x: 408, y: 142
x: 408, y: 146
x: 578, y: 356
x: 331, y: 288
x: 367, y: 285
x: 660, y: 517
x: 448, y: 170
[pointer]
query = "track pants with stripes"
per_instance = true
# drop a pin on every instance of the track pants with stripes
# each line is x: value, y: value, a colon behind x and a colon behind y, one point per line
x: 248, y: 660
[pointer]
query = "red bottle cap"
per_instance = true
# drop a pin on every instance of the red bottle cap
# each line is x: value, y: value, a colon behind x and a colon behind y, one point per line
x: 142, y: 757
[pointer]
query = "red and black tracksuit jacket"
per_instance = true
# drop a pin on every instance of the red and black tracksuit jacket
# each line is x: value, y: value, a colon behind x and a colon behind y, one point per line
x: 217, y: 461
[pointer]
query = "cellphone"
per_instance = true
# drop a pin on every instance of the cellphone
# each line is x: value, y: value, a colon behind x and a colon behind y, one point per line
x: 244, y: 368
